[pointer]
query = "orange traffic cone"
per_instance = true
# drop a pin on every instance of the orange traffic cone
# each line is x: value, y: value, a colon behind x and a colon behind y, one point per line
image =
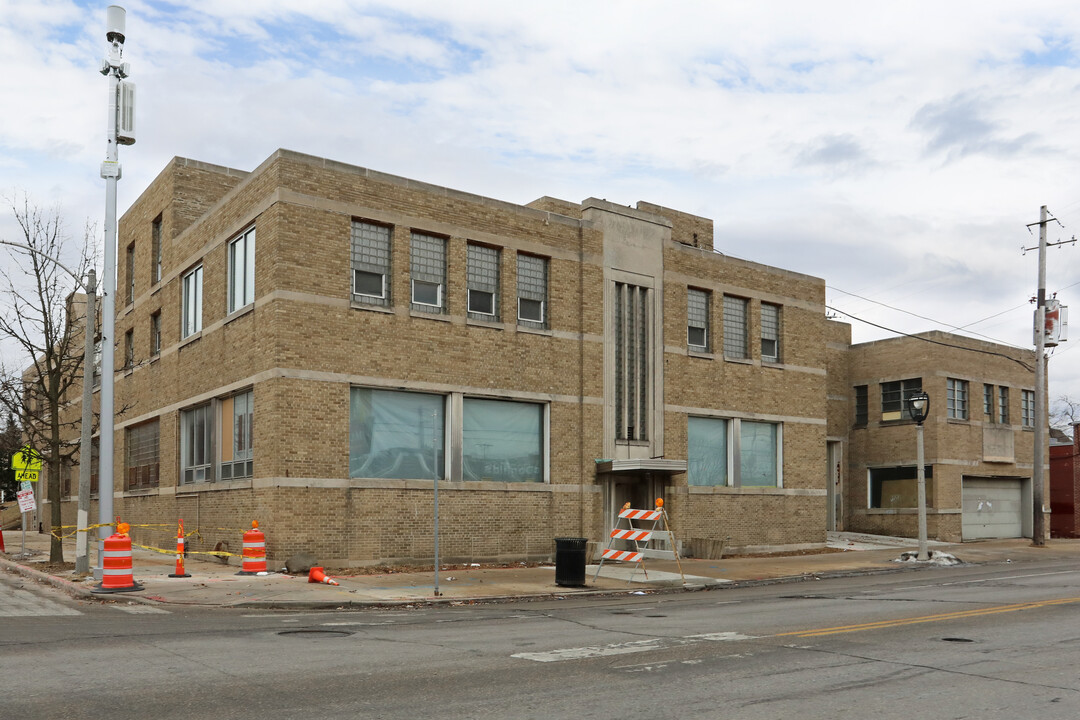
x: 180, y: 551
x: 316, y: 575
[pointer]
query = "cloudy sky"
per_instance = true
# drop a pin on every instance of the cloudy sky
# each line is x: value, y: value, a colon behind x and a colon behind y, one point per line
x: 897, y: 150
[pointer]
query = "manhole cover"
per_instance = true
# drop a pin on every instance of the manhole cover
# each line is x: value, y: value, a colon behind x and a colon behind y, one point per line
x: 957, y: 640
x: 657, y: 616
x: 317, y: 633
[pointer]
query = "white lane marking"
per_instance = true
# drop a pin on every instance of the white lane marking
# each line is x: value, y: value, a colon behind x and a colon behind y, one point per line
x: 634, y: 646
x: 141, y: 609
x: 993, y: 579
x: 340, y: 624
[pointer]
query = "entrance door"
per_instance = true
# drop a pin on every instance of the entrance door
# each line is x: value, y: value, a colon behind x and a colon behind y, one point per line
x: 640, y: 491
x: 835, y: 490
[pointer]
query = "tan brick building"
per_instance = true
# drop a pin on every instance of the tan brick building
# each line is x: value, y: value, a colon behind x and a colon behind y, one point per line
x: 311, y: 344
x: 978, y: 436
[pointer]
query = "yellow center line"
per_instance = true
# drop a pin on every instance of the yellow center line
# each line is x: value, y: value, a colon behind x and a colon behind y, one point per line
x: 819, y: 632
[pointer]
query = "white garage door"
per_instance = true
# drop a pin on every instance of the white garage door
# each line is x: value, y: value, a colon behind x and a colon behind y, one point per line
x: 992, y: 508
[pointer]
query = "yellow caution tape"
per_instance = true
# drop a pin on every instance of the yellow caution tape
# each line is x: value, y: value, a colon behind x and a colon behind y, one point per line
x: 216, y: 553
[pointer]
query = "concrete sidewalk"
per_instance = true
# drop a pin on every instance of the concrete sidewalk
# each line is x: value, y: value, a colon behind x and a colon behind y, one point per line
x: 215, y: 584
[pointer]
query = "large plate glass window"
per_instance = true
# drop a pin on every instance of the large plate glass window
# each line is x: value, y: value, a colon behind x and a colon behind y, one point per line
x: 395, y: 434
x: 502, y: 441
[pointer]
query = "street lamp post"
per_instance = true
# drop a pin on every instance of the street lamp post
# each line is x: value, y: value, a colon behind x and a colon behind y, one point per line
x: 919, y: 407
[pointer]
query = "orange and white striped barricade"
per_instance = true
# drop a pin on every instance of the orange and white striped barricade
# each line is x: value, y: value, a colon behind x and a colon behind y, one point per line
x: 639, y: 537
x: 254, y: 556
x: 116, y: 570
x: 181, y: 551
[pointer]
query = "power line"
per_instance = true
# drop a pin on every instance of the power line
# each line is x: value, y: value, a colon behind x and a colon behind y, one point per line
x: 923, y: 317
x: 1021, y: 363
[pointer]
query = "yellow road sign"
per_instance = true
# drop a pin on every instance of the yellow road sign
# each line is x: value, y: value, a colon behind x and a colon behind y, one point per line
x: 27, y: 464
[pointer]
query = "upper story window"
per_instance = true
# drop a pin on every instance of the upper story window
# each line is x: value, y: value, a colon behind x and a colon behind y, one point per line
x: 155, y: 251
x: 894, y: 396
x: 155, y: 334
x: 483, y: 281
x: 371, y: 263
x: 697, y: 319
x: 532, y: 291
x: 1027, y: 408
x: 735, y: 327
x: 191, y: 310
x: 242, y: 270
x: 862, y: 411
x: 770, y: 332
x: 129, y: 349
x: 427, y: 263
x: 633, y: 350
x: 130, y: 273
x: 988, y: 402
x: 1003, y: 405
x: 957, y: 399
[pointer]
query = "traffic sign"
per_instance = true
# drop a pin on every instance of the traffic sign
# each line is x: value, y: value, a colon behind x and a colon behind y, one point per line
x: 26, y: 500
x: 27, y: 464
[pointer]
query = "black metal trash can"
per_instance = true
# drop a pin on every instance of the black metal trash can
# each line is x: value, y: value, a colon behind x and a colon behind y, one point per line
x: 570, y: 561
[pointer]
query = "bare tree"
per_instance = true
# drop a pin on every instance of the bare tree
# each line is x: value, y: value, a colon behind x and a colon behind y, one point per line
x: 39, y: 315
x: 1063, y: 413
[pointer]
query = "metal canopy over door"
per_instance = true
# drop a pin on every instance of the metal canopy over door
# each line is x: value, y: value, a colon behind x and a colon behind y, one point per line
x: 993, y: 508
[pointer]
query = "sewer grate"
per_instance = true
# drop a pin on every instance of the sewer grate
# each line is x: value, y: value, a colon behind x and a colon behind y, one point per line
x: 313, y: 633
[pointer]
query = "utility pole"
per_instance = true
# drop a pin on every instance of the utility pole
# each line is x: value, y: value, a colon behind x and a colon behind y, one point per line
x: 82, y: 559
x: 116, y: 70
x: 1038, y: 530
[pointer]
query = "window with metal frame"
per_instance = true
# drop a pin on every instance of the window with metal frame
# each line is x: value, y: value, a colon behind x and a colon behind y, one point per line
x: 1027, y: 408
x: 371, y: 263
x: 197, y: 444
x: 770, y: 332
x: 129, y: 349
x: 697, y: 319
x: 735, y: 327
x: 862, y: 405
x: 532, y: 291
x: 130, y: 273
x: 894, y: 398
x: 242, y: 270
x: 155, y: 250
x: 898, y: 487
x: 988, y: 402
x: 191, y: 308
x: 155, y: 334
x: 483, y: 282
x: 1003, y: 405
x: 142, y: 450
x: 956, y: 394
x: 237, y: 435
x: 427, y: 262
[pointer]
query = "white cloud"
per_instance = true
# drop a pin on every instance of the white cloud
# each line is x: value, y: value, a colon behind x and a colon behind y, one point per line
x: 898, y: 151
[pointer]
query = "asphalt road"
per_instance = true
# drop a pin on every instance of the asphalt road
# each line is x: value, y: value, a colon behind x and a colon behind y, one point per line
x: 978, y: 642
